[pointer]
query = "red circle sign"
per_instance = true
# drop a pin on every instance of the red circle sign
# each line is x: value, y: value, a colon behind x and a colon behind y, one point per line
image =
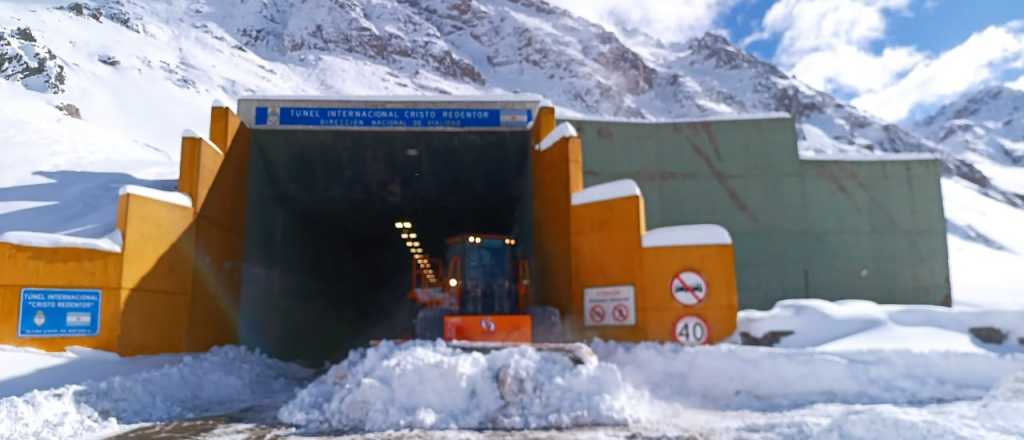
x: 689, y: 288
x: 597, y: 313
x: 691, y: 330
x: 620, y: 312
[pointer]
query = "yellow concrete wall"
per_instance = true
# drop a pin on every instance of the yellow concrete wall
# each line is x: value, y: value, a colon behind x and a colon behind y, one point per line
x: 220, y: 225
x: 65, y: 268
x: 606, y: 252
x: 657, y: 308
x: 555, y: 174
x: 175, y: 285
x: 156, y: 278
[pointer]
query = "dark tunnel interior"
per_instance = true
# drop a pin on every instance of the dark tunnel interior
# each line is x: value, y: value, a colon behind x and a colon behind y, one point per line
x: 325, y: 270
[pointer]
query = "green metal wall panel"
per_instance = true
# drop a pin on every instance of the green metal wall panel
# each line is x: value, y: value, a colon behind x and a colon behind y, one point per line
x: 832, y: 229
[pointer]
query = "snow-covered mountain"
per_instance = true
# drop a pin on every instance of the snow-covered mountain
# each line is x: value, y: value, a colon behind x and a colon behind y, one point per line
x: 435, y: 46
x: 986, y: 128
x: 100, y: 89
x: 988, y: 122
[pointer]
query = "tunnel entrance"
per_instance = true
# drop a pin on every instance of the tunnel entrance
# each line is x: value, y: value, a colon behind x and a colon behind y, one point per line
x: 324, y: 268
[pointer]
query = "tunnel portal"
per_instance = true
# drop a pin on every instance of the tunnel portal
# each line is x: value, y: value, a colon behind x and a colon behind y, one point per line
x: 325, y: 269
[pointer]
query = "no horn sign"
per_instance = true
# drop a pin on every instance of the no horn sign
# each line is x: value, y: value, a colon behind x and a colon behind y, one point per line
x: 689, y: 288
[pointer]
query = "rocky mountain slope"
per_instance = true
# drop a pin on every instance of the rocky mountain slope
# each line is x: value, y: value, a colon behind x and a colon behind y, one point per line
x: 466, y: 46
x: 988, y: 123
x: 101, y: 89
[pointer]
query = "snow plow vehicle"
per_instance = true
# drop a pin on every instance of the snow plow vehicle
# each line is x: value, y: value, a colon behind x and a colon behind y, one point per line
x: 484, y: 295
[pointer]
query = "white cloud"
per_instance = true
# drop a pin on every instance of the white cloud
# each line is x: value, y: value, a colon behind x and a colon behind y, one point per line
x: 983, y: 58
x: 826, y: 43
x: 668, y: 20
x: 1018, y: 84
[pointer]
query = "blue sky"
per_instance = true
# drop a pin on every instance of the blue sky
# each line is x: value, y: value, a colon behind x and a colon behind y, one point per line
x: 897, y: 59
x: 934, y: 26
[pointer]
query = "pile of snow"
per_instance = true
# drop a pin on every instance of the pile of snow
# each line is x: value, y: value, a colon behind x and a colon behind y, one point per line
x: 862, y: 325
x: 221, y: 381
x: 432, y: 386
x: 771, y: 379
x: 24, y: 369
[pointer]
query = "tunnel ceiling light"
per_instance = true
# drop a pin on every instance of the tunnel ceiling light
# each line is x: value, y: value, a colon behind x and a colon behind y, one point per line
x: 453, y: 282
x: 407, y: 225
x: 399, y: 225
x: 405, y: 236
x: 412, y: 235
x: 416, y: 243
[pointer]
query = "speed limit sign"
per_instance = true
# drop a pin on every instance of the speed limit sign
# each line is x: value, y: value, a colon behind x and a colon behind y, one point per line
x: 691, y: 330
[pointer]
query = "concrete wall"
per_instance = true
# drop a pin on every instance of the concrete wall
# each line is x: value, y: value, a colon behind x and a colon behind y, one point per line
x: 174, y: 285
x: 801, y: 228
x: 599, y: 244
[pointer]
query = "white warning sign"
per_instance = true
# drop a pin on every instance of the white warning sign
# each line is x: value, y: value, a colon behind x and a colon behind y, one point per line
x: 691, y: 330
x: 689, y: 288
x: 609, y: 306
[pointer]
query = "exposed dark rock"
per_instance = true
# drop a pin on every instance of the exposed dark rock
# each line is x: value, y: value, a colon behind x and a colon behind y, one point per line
x: 988, y: 335
x: 70, y: 110
x: 38, y: 69
x: 112, y: 10
x: 769, y: 339
x: 109, y: 60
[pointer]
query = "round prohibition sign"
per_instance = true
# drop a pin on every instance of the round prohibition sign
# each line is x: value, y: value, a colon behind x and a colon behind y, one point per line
x: 689, y: 288
x: 597, y: 314
x: 620, y: 313
x: 691, y: 330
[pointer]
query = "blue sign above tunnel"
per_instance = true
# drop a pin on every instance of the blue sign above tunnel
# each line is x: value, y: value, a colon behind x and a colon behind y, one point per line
x: 351, y: 117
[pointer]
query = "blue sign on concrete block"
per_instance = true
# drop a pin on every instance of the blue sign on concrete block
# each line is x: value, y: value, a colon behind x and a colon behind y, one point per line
x: 52, y: 313
x: 393, y: 117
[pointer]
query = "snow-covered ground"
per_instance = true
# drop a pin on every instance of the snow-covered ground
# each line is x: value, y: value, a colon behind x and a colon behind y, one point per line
x: 851, y: 369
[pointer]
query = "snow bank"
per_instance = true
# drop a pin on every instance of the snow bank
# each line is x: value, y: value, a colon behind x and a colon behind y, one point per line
x: 430, y: 385
x: 223, y: 380
x: 857, y: 324
x: 686, y: 235
x: 562, y: 131
x: 24, y: 369
x: 172, y: 197
x: 770, y: 379
x: 111, y: 243
x: 606, y: 191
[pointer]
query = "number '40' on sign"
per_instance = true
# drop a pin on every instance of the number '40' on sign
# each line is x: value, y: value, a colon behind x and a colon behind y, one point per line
x: 691, y: 330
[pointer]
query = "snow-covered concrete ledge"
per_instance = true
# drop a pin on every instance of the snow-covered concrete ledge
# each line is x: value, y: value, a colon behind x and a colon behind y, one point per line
x: 111, y: 243
x: 188, y: 133
x: 172, y: 197
x: 505, y: 97
x: 709, y: 118
x: 615, y: 189
x: 562, y: 131
x: 686, y: 235
x: 853, y: 157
